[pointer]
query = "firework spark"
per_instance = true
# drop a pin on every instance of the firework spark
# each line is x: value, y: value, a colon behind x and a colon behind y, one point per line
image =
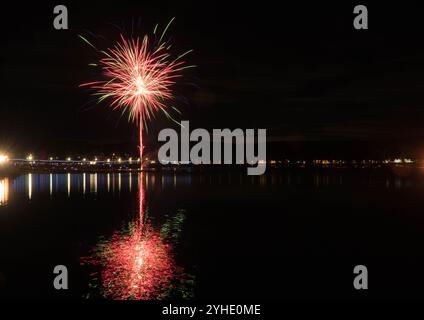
x: 138, y: 75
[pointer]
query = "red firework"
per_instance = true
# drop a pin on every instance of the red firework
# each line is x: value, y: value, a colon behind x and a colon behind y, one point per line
x: 138, y: 77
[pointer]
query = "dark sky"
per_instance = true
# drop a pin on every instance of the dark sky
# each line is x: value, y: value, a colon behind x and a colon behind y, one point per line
x: 298, y: 69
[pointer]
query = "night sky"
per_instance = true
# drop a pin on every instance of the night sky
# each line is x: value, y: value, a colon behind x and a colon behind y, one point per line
x: 299, y: 70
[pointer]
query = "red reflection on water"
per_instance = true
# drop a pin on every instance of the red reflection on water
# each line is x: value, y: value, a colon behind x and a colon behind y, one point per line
x: 136, y: 264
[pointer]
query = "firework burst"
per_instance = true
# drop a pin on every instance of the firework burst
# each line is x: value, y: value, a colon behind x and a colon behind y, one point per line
x: 138, y: 76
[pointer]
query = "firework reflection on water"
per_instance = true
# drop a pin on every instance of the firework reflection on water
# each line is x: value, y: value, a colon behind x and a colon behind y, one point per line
x: 137, y: 262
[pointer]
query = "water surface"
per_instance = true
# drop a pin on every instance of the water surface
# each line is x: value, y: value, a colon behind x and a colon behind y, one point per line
x: 289, y: 234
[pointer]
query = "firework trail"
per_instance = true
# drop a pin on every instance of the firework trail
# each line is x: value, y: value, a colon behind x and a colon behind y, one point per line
x: 138, y: 75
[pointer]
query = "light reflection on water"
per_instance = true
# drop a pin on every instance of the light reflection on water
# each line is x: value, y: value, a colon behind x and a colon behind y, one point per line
x: 70, y: 184
x: 30, y: 186
x: 137, y: 262
x: 80, y: 184
x: 4, y: 191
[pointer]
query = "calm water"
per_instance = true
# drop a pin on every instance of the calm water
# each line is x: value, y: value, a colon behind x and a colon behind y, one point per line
x: 294, y: 234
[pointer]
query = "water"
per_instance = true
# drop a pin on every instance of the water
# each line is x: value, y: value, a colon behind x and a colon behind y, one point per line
x: 289, y: 234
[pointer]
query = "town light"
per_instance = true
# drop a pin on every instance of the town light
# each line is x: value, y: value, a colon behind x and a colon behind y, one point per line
x: 3, y: 158
x: 30, y: 157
